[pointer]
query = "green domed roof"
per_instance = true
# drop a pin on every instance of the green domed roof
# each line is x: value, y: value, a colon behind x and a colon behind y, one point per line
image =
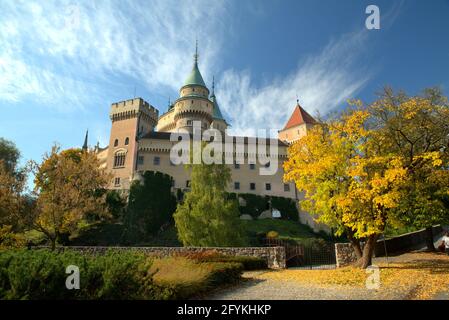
x: 195, y: 78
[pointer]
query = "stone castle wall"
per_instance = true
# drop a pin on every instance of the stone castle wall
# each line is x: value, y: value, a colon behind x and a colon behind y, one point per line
x: 274, y: 256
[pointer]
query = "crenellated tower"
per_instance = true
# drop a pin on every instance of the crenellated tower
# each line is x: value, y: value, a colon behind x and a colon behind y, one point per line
x: 131, y: 119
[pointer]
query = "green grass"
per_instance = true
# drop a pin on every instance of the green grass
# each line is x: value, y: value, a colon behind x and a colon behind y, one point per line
x: 110, y: 234
x: 285, y: 228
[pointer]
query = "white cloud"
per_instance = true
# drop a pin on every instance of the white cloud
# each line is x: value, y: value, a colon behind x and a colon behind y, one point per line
x: 322, y: 83
x: 58, y: 46
x: 65, y: 55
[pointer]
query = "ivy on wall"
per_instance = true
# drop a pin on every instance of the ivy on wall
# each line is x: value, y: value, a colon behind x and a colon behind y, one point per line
x: 256, y: 204
x: 151, y: 205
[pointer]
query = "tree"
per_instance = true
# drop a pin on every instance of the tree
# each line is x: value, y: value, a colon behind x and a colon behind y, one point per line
x: 150, y: 206
x: 9, y: 154
x: 207, y: 217
x: 417, y: 130
x: 347, y: 184
x: 12, y: 202
x: 11, y: 205
x: 69, y: 186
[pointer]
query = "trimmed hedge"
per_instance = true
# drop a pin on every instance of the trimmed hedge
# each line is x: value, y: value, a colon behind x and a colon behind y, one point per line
x: 41, y: 274
x: 247, y: 262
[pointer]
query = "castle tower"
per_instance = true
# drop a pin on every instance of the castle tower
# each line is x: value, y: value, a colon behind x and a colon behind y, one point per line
x: 131, y: 119
x: 218, y: 122
x: 298, y: 124
x: 193, y: 103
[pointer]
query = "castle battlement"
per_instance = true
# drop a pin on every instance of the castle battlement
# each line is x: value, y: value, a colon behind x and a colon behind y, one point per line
x: 132, y: 107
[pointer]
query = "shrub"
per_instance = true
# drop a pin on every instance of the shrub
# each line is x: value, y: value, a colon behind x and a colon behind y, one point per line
x: 272, y: 234
x: 184, y: 277
x: 40, y: 274
x: 247, y: 262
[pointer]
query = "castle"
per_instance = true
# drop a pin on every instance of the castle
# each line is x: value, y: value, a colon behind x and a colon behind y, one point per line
x: 140, y: 141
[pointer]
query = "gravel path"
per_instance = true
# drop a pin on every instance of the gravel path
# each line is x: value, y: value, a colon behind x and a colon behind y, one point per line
x: 255, y: 288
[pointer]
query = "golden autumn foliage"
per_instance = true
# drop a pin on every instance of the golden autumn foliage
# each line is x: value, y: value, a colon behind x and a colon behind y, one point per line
x: 357, y: 171
x: 69, y: 186
x: 412, y: 276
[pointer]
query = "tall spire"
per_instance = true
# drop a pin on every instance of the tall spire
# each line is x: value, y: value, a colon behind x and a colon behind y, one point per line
x: 85, y: 140
x: 195, y: 57
x: 213, y: 86
x: 195, y: 77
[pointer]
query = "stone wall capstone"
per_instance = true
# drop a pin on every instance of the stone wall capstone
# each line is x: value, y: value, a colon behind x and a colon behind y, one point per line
x: 274, y: 256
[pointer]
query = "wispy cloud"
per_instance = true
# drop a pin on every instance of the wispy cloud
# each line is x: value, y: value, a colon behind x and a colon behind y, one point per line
x: 321, y: 82
x: 64, y: 54
x: 61, y: 50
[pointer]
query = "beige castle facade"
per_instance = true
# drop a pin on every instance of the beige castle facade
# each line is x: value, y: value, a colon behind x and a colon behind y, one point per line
x: 140, y: 140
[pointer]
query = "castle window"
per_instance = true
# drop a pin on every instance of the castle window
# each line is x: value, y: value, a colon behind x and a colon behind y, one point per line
x: 252, y: 166
x: 268, y: 186
x: 252, y: 186
x: 117, y: 182
x: 140, y: 160
x: 237, y: 185
x: 286, y: 187
x: 116, y: 143
x: 192, y: 101
x: 156, y: 161
x: 189, y: 122
x: 193, y: 89
x: 119, y: 160
x: 126, y: 141
x: 267, y: 165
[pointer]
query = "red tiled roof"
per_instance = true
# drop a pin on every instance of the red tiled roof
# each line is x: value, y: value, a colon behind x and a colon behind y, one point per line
x: 299, y: 116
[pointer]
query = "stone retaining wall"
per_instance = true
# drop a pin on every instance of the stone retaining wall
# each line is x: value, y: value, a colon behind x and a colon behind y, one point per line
x: 274, y: 256
x: 345, y: 255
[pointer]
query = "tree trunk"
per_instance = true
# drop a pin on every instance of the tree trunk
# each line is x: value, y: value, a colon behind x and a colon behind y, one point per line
x: 429, y: 239
x: 53, y: 244
x: 368, y: 249
x: 355, y: 245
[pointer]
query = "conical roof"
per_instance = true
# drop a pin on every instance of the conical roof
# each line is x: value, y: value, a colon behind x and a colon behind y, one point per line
x: 299, y: 116
x: 216, y: 112
x: 195, y: 78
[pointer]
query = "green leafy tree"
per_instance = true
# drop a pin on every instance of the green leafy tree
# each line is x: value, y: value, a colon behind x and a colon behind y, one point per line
x: 150, y: 206
x: 9, y: 155
x: 207, y: 217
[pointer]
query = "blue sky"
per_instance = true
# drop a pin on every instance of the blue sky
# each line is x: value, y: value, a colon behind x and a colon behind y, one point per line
x: 63, y: 63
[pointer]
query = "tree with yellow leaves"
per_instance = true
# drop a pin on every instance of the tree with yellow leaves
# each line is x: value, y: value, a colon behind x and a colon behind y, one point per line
x: 69, y: 186
x: 347, y: 184
x: 375, y: 165
x: 417, y: 129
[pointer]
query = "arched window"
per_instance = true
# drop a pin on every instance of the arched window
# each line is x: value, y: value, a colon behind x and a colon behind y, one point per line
x: 126, y: 141
x: 116, y: 143
x: 119, y: 159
